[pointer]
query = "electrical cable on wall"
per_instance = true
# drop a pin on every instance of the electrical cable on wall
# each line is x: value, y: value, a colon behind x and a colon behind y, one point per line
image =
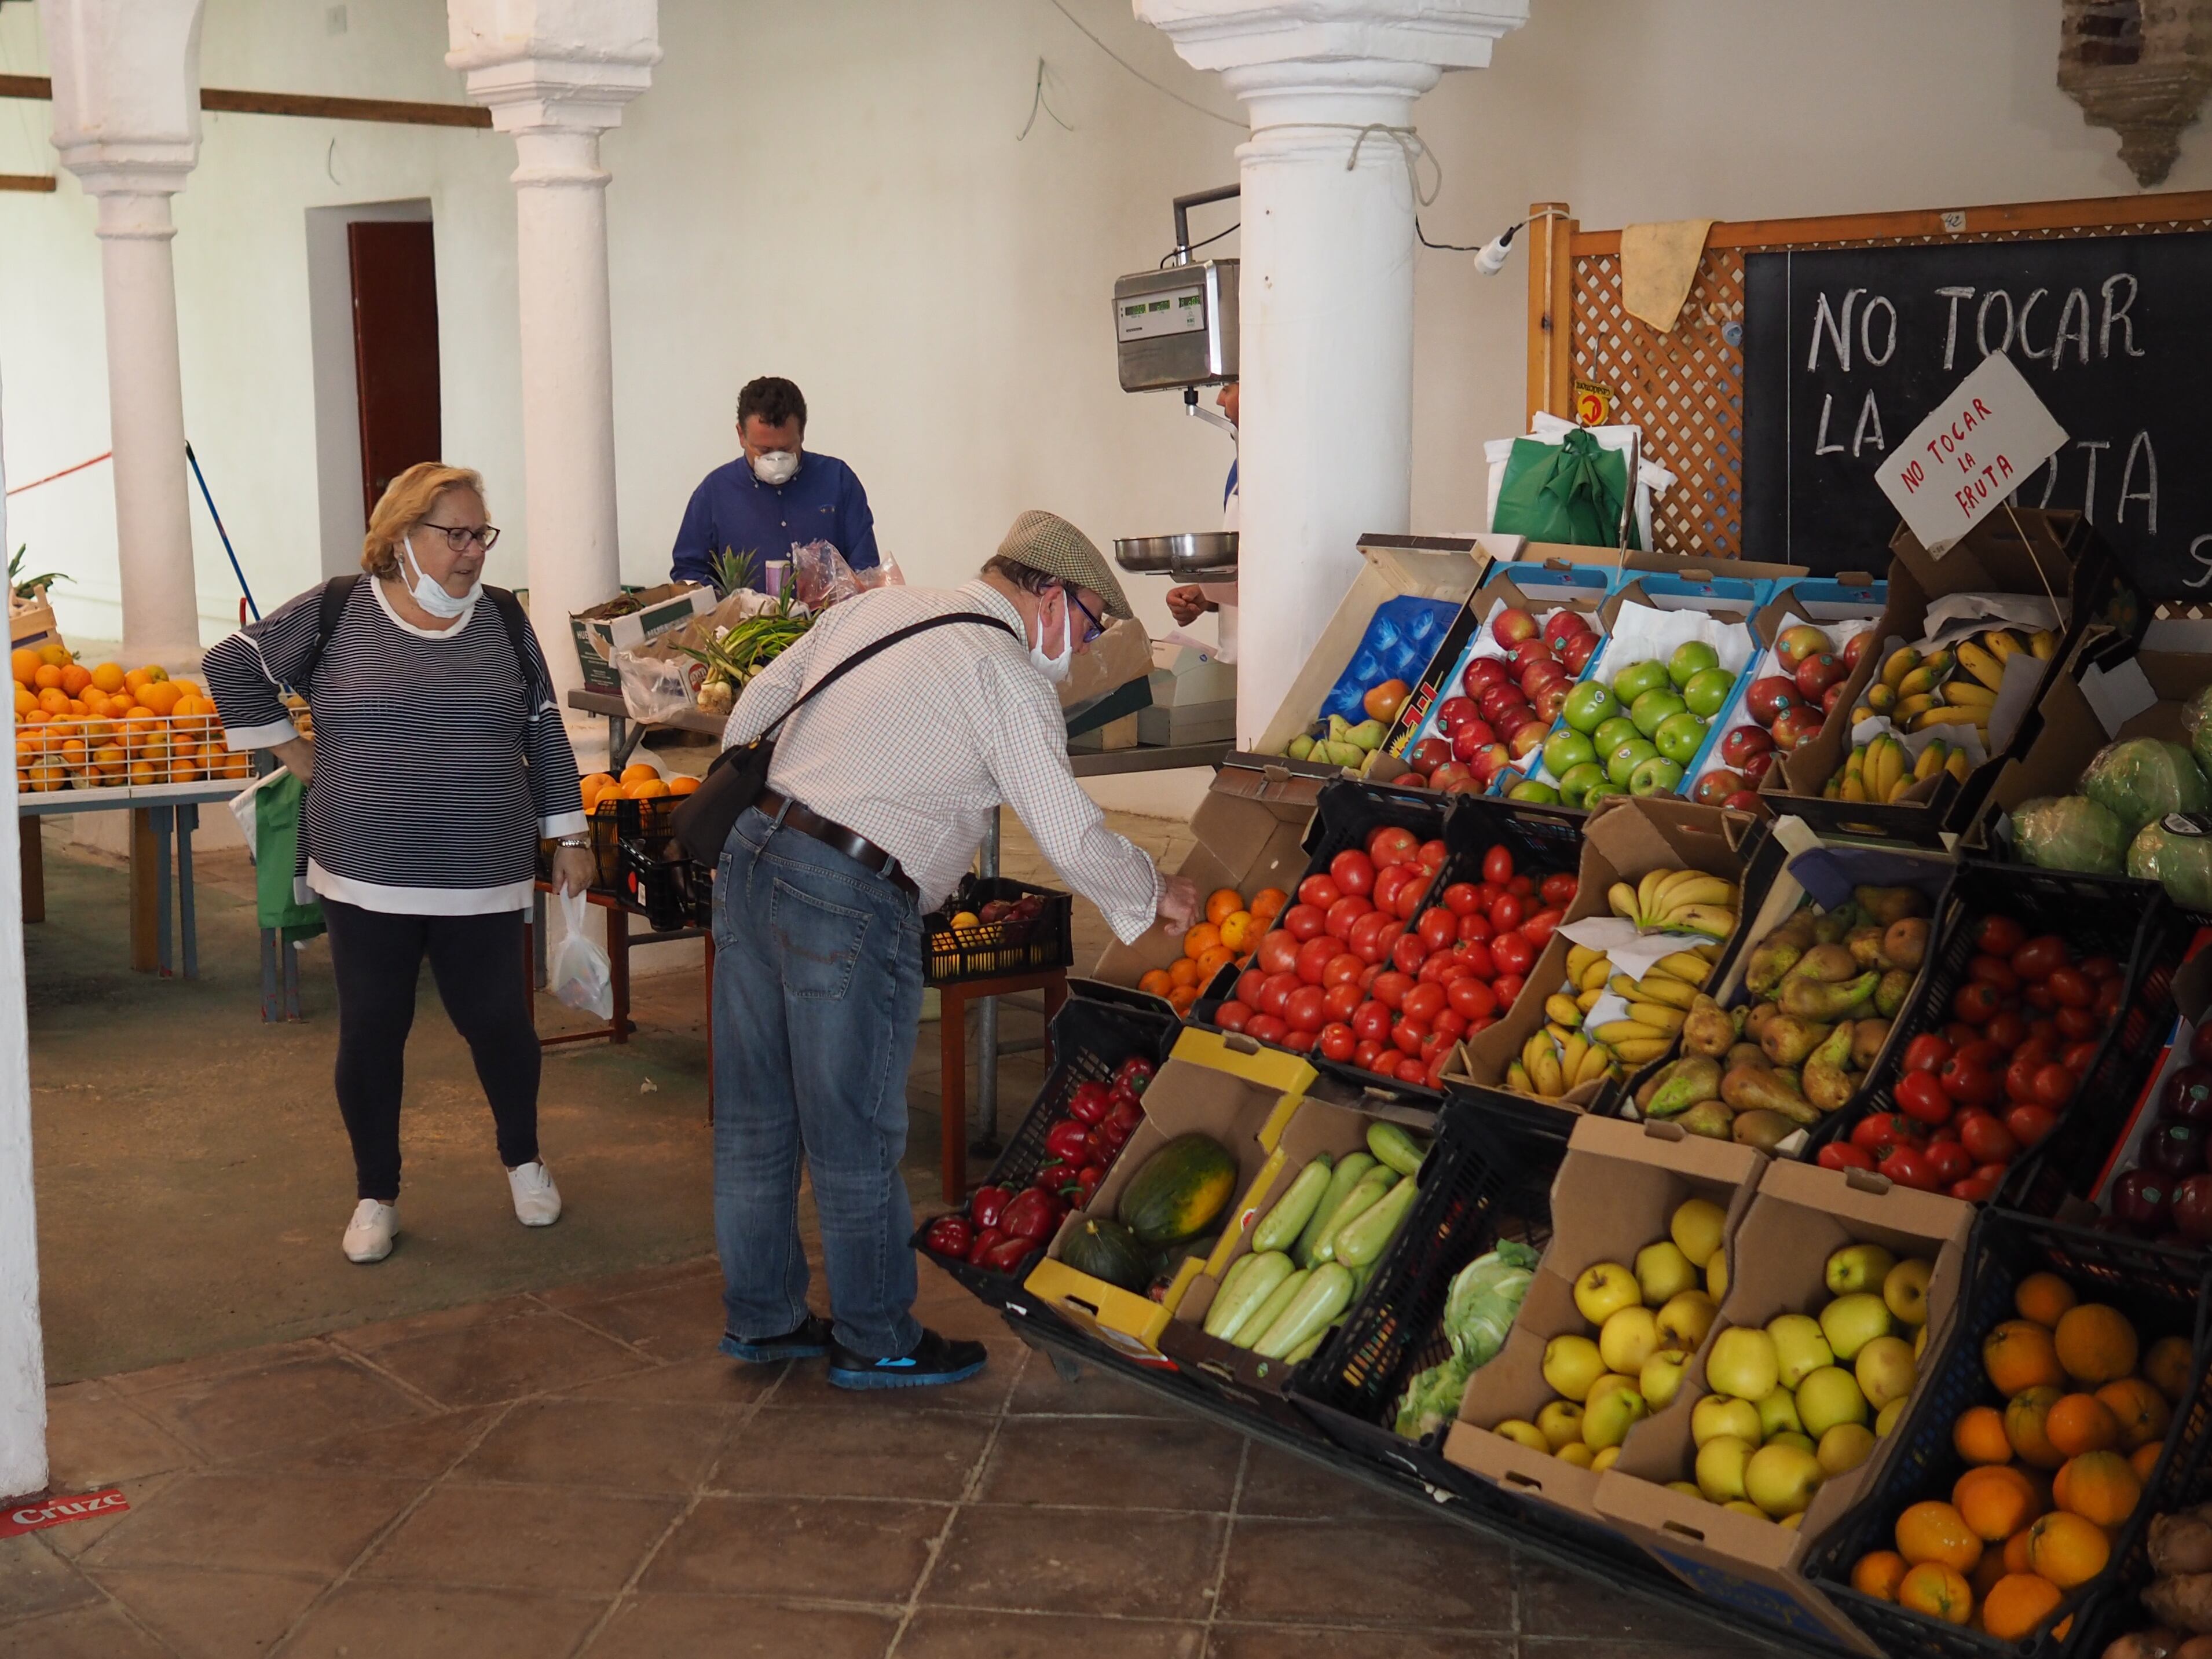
x: 1165, y: 92
x: 1195, y: 246
x: 1036, y: 103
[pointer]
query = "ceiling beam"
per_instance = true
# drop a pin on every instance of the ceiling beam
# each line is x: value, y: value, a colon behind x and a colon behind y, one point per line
x: 311, y: 104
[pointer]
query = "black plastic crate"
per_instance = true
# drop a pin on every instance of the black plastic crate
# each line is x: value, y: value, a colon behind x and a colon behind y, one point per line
x: 952, y: 956
x: 2163, y: 1293
x: 615, y: 820
x: 1096, y: 1029
x: 2097, y: 915
x: 660, y: 882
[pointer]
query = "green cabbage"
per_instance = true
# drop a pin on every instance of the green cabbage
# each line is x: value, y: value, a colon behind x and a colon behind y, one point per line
x: 2139, y: 779
x: 1479, y: 1313
x: 2181, y: 863
x: 2071, y: 832
x: 2197, y: 727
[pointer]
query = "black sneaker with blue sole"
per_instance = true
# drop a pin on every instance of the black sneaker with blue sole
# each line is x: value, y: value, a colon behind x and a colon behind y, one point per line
x: 934, y: 1362
x: 810, y: 1341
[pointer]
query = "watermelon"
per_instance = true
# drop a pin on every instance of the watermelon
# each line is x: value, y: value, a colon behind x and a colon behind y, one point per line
x: 1179, y: 1191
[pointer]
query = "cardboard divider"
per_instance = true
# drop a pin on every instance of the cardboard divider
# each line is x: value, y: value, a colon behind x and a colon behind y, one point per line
x: 1800, y: 1216
x: 1618, y: 1187
x: 1694, y: 566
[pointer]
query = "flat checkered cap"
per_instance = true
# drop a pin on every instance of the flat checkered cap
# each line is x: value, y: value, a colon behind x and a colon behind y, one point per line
x: 1045, y: 541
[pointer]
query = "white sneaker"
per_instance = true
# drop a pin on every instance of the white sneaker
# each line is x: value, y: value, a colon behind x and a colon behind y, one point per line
x: 537, y: 1200
x: 369, y: 1234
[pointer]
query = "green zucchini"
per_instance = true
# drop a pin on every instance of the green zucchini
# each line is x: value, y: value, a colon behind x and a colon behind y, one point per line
x: 1341, y: 1180
x: 1307, y: 1349
x: 1279, y: 1228
x: 1362, y: 1199
x: 1394, y: 1147
x: 1325, y: 1294
x: 1281, y: 1298
x: 1362, y: 1240
x: 1240, y: 1295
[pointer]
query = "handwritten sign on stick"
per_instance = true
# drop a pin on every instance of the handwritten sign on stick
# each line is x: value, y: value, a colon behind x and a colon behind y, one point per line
x: 1975, y: 448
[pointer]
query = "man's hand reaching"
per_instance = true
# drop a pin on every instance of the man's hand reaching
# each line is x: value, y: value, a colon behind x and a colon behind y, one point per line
x: 1187, y: 603
x: 1178, y: 902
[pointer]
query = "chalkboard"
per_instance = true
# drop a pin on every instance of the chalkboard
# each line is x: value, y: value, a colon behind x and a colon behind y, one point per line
x: 1846, y: 349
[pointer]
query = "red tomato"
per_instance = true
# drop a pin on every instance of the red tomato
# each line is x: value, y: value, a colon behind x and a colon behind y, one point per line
x: 1370, y: 1021
x: 1983, y: 1052
x: 1414, y: 1069
x: 1489, y: 892
x: 1449, y: 1025
x: 1369, y: 974
x: 1539, y: 928
x: 1926, y: 1053
x: 1315, y: 955
x: 1524, y: 885
x: 1389, y: 883
x: 1986, y: 1138
x: 2075, y: 1056
x: 1990, y: 1171
x: 1438, y: 928
x: 1407, y: 1035
x: 1340, y: 998
x: 1477, y: 927
x: 1513, y: 953
x: 1365, y: 939
x: 1433, y: 1077
x: 1409, y: 953
x: 1364, y: 1056
x: 1411, y: 896
x: 1841, y: 1155
x: 1977, y: 1001
x: 1278, y: 954
x: 1392, y: 845
x: 1476, y: 954
x: 1390, y: 989
x: 1343, y: 968
x: 1432, y: 856
x: 1968, y: 1081
x: 2029, y: 1124
x: 1509, y: 987
x: 1275, y: 994
x: 2108, y: 999
x: 1949, y: 1162
x: 1471, y: 998
x: 1352, y: 871
x: 1318, y: 891
x: 2100, y: 969
x: 2036, y: 959
x: 2076, y: 1024
x: 2071, y: 987
x: 1957, y: 1033
x: 1424, y: 1002
x: 2008, y: 1030
x: 1305, y: 1010
x: 2000, y: 936
x: 1337, y: 923
x: 2037, y: 996
x: 1231, y: 1016
x: 1462, y: 898
x: 1267, y: 1027
x: 1975, y: 1189
x: 1505, y: 914
x: 1392, y: 931
x: 1882, y: 1130
x: 1994, y: 971
x: 1480, y: 1023
x: 2054, y: 1086
x: 1248, y: 986
x: 1922, y: 1098
x: 1558, y: 891
x: 1302, y: 921
x: 1908, y: 1166
x: 2020, y: 1078
x: 1336, y: 1042
x: 1299, y: 1042
x: 1498, y: 866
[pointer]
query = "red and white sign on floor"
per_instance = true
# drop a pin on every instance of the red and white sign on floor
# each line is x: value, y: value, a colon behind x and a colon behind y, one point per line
x: 1974, y: 449
x: 60, y: 1512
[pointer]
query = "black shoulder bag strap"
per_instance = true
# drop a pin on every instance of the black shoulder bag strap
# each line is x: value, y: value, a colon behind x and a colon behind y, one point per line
x: 735, y: 781
x: 332, y: 607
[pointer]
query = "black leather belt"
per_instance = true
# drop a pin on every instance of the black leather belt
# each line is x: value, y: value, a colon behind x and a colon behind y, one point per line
x: 796, y: 815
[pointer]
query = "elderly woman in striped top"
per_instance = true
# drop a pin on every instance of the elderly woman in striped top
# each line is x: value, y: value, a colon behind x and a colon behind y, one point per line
x: 438, y: 762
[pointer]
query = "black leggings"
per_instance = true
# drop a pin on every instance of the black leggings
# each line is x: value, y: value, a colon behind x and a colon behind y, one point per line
x: 478, y: 963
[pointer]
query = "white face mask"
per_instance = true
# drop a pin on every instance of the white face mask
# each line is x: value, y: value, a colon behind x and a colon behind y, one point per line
x: 1056, y: 668
x: 775, y: 467
x: 432, y: 596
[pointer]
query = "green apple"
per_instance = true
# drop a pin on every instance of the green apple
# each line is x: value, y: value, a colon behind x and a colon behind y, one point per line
x: 1680, y: 737
x: 1629, y: 1337
x: 1566, y: 749
x: 1743, y: 1362
x: 1695, y: 1227
x: 1604, y: 1288
x: 1638, y: 678
x: 1782, y: 1479
x: 1571, y: 1364
x: 1650, y: 710
x: 1527, y: 1434
x: 1857, y: 1268
x: 1661, y: 1380
x: 1692, y: 657
x: 1561, y: 1422
x: 1905, y: 1290
x: 1620, y: 765
x: 1716, y: 1415
x: 1799, y: 1347
x: 1611, y: 733
x: 1845, y: 1447
x: 1656, y: 775
x: 1534, y: 791
x: 1885, y: 1371
x: 1778, y: 1414
x: 1829, y: 1396
x: 1589, y: 706
x: 1707, y: 689
x: 1601, y: 792
x: 1684, y: 1320
x: 1664, y: 1273
x: 1850, y: 1322
x: 1721, y: 1463
x: 1577, y: 781
x: 1610, y: 1415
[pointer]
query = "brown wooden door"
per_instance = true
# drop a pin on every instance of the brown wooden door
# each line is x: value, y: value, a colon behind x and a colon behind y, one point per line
x: 395, y: 345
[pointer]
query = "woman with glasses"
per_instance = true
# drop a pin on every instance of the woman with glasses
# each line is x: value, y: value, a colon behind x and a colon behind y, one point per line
x: 438, y: 761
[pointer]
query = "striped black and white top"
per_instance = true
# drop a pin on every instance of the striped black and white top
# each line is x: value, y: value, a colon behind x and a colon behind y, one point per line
x: 439, y: 760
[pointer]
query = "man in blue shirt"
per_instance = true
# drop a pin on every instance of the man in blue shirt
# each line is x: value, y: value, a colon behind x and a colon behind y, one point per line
x: 773, y: 495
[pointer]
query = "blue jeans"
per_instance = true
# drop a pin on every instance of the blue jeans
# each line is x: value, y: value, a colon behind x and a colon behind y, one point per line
x: 817, y: 1003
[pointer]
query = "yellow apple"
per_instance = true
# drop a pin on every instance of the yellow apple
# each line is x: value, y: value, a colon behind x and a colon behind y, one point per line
x: 1717, y: 1279
x: 1610, y: 1415
x: 1664, y: 1273
x: 1561, y: 1422
x: 1852, y: 1320
x: 1716, y: 1417
x: 1661, y: 1379
x: 1857, y: 1268
x: 1571, y: 1364
x: 1603, y: 1289
x: 1721, y: 1463
x: 1887, y: 1418
x: 1829, y: 1396
x: 1525, y: 1433
x: 1799, y: 1347
x: 1743, y: 1362
x: 1885, y: 1371
x: 1684, y: 1321
x: 1695, y: 1227
x: 1604, y: 1459
x: 1845, y: 1447
x: 1905, y: 1290
x: 1629, y: 1338
x: 1777, y: 1413
x: 1576, y: 1453
x: 1782, y: 1479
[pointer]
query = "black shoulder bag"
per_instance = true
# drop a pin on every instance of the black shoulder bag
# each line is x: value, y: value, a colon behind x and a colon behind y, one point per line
x: 739, y: 775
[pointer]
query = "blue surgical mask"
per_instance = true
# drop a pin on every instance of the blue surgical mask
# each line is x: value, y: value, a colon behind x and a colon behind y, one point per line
x: 432, y: 596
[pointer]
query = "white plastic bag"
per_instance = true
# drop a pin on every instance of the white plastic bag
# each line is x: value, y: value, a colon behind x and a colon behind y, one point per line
x: 658, y: 688
x: 580, y: 974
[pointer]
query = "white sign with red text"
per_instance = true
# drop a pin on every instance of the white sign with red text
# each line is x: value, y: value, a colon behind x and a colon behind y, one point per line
x: 1974, y: 449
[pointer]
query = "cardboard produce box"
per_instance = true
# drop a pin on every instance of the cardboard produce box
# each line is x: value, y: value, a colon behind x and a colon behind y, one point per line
x: 1228, y: 1087
x: 1800, y: 1216
x: 628, y: 621
x: 1617, y: 1189
x: 1700, y: 566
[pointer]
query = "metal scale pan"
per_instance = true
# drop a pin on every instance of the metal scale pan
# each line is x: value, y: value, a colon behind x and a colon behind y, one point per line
x: 1192, y: 555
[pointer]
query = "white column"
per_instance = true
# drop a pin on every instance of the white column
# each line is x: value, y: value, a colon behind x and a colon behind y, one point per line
x: 555, y: 74
x: 1325, y: 446
x: 22, y: 1362
x: 127, y: 122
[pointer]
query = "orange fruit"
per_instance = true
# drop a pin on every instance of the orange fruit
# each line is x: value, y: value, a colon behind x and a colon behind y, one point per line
x: 2080, y: 1423
x: 33, y: 716
x: 23, y: 665
x: 184, y: 771
x: 1204, y: 937
x: 680, y: 784
x: 75, y: 679
x: 1222, y: 902
x: 142, y: 772
x: 1182, y: 997
x: 2026, y: 1426
x: 2139, y: 1409
x: 1237, y: 929
x: 1156, y: 983
x: 54, y: 700
x: 638, y: 772
x: 108, y: 676
x: 2015, y: 1551
x: 1978, y: 1436
x: 1995, y: 1502
x: 46, y: 676
x: 1878, y: 1574
x: 1266, y: 902
x: 2066, y: 1549
x: 24, y: 699
x: 1984, y: 1578
x: 1182, y: 973
x: 1932, y: 1531
x: 1939, y: 1591
x: 2168, y: 1367
x: 108, y: 760
x: 2043, y: 1297
x: 2096, y: 1344
x: 1211, y: 962
x: 2017, y: 1605
x: 54, y: 654
x: 651, y: 789
x: 2019, y: 1355
x: 2099, y: 1486
x: 2144, y: 1459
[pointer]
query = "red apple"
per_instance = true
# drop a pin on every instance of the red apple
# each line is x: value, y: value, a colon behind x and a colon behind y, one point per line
x: 1563, y: 626
x: 1428, y: 753
x: 1770, y: 697
x: 2192, y: 1207
x: 1516, y: 720
x: 1820, y: 671
x: 1855, y: 647
x: 1481, y: 674
x: 1744, y: 800
x: 1530, y: 653
x: 1756, y: 766
x: 1832, y: 697
x: 1795, y: 726
x: 1794, y: 644
x: 1577, y: 651
x: 1551, y: 699
x: 1540, y: 676
x: 1488, y: 761
x: 1499, y: 698
x: 1513, y: 625
x: 1716, y: 785
x: 1527, y: 740
x: 1740, y: 745
x: 1453, y: 713
x: 1449, y: 773
x: 1471, y: 737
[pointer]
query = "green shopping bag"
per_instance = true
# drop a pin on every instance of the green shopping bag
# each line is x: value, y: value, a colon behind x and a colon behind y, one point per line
x: 1573, y: 492
x: 276, y: 861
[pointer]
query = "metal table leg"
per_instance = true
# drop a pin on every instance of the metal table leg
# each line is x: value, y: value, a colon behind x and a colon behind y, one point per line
x: 622, y: 739
x: 163, y: 820
x: 986, y: 1141
x: 188, y: 820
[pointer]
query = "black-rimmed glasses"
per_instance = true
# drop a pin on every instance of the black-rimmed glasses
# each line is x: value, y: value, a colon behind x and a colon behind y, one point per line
x: 457, y: 537
x: 1090, y: 618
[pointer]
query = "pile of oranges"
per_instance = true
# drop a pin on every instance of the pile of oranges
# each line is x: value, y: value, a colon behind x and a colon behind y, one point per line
x: 101, y: 727
x: 638, y: 782
x: 2051, y: 1476
x: 1230, y: 931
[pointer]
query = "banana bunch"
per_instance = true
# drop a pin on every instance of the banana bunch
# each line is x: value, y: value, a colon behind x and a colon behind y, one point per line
x: 1677, y: 902
x: 1882, y: 770
x: 1921, y: 690
x: 1658, y: 1003
x: 1561, y: 1054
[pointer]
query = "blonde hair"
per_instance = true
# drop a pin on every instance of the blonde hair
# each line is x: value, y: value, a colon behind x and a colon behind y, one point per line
x: 406, y: 501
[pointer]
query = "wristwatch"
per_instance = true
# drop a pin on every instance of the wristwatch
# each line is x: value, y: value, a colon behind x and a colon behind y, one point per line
x: 573, y: 840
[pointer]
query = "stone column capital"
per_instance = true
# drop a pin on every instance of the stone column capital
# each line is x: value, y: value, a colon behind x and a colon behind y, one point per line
x: 126, y: 103
x: 554, y: 66
x: 1248, y: 34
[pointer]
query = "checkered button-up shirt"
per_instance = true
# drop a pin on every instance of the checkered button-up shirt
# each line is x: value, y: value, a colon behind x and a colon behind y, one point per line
x: 918, y: 746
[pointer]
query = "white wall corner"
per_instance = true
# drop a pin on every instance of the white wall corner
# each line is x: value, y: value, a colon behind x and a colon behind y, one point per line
x: 1220, y: 34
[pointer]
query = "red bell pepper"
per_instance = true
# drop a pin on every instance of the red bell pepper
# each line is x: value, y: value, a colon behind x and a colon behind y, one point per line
x: 1050, y: 1174
x: 1067, y: 1141
x: 1135, y: 1073
x: 1125, y: 1110
x: 988, y: 1204
x: 1077, y: 1190
x: 950, y: 1235
x: 1009, y: 1253
x: 1089, y: 1102
x: 1032, y: 1215
x: 982, y: 1244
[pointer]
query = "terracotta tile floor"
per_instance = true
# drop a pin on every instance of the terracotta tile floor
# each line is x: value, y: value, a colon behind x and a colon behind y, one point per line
x: 579, y: 1473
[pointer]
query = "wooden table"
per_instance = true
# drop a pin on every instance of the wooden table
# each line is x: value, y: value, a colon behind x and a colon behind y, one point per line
x: 952, y: 1048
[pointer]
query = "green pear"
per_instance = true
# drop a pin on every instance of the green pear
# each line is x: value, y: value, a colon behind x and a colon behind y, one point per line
x: 1827, y: 964
x: 1301, y: 746
x: 1368, y: 734
x: 1810, y: 998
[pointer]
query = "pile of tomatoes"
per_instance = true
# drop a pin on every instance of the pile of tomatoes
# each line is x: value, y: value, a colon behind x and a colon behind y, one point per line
x: 1369, y: 968
x: 2024, y: 1030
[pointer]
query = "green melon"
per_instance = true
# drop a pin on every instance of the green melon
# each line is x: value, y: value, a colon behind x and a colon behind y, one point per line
x: 1179, y: 1190
x: 1108, y: 1250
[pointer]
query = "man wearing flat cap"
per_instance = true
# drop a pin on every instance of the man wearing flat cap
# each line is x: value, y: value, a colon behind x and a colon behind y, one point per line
x: 941, y: 709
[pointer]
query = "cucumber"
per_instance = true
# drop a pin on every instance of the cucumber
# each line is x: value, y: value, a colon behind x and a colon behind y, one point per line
x: 1361, y: 1240
x: 1241, y: 1297
x: 1305, y: 1350
x: 1394, y: 1147
x: 1281, y: 1298
x: 1325, y: 1293
x: 1341, y: 1180
x: 1279, y: 1228
x: 1362, y: 1197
